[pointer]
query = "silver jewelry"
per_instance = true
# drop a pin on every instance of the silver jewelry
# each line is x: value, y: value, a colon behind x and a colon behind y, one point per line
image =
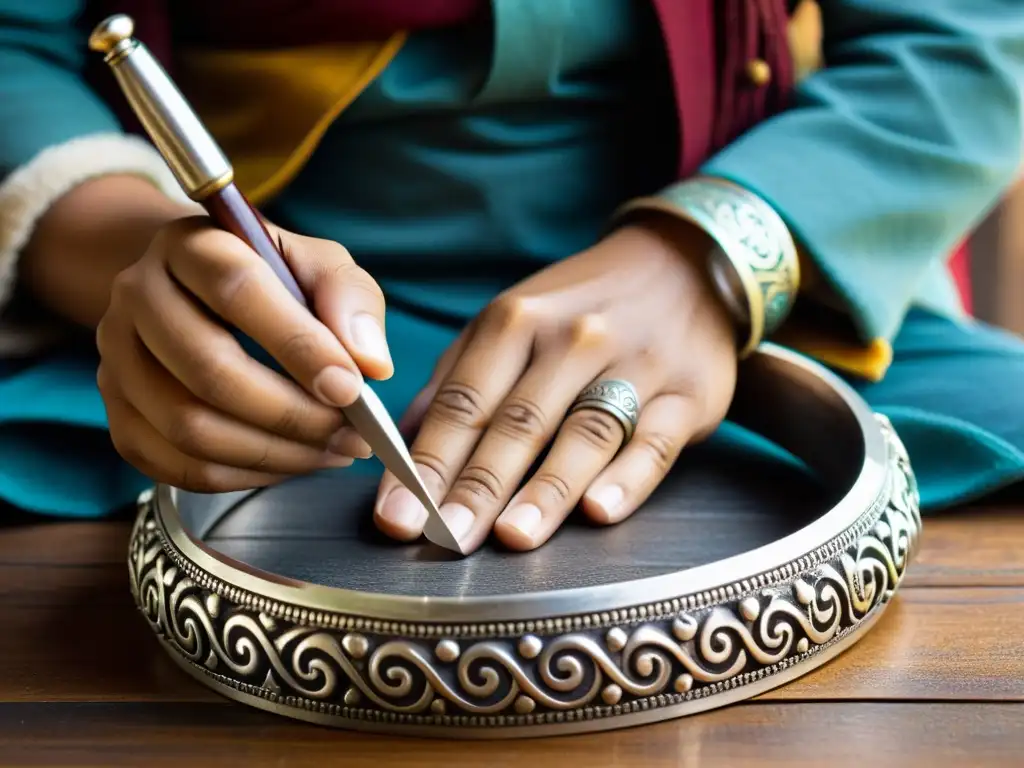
x: 615, y: 396
x: 755, y: 267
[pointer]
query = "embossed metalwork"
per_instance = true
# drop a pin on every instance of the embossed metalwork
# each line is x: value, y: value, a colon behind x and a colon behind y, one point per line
x: 585, y: 671
x: 615, y: 396
x: 754, y: 239
x: 755, y: 247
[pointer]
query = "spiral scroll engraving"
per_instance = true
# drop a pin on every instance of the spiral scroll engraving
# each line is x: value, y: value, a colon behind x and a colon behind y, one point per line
x: 753, y: 230
x: 350, y: 668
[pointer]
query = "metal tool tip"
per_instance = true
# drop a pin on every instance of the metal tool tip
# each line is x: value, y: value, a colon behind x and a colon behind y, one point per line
x: 111, y: 32
x: 437, y: 533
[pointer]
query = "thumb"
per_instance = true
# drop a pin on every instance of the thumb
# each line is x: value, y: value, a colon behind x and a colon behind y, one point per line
x: 344, y: 298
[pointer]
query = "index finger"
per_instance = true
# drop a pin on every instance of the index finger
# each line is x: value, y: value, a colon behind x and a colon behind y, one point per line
x: 240, y: 288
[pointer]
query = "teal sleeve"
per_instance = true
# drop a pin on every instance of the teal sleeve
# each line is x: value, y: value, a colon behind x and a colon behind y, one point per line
x: 890, y: 154
x: 43, y: 99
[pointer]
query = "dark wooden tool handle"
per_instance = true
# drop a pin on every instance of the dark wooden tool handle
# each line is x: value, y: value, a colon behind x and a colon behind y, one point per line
x: 230, y: 209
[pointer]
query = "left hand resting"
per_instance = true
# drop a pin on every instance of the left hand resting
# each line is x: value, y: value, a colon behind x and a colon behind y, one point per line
x: 637, y: 306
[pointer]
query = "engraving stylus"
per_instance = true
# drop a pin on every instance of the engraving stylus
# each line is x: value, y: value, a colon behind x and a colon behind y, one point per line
x: 207, y: 177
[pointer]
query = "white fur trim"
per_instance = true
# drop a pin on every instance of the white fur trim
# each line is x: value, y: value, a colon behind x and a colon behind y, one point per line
x: 30, y: 190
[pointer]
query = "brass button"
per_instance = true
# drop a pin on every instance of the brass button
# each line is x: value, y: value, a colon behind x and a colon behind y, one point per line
x: 759, y: 73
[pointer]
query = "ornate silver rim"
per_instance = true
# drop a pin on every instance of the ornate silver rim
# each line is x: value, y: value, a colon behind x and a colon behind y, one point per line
x: 357, y: 664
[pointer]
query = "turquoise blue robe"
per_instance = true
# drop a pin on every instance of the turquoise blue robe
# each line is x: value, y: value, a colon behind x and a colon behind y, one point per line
x: 470, y: 163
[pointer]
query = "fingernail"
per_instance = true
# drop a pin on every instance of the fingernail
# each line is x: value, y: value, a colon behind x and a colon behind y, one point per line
x: 347, y: 442
x: 369, y: 337
x: 403, y: 510
x: 458, y: 518
x: 525, y: 518
x: 337, y: 386
x: 608, y: 498
x: 337, y: 461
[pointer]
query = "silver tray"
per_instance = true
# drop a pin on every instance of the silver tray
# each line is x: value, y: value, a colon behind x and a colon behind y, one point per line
x: 739, y: 575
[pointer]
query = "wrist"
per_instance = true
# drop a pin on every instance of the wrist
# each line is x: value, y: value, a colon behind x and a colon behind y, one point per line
x: 87, y: 237
x: 751, y: 259
x: 688, y: 248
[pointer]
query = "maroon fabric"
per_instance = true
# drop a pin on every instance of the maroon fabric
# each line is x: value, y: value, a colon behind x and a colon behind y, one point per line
x: 708, y: 45
x: 688, y: 30
x: 245, y: 24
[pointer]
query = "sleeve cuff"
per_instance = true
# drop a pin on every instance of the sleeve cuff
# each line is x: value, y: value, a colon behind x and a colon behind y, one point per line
x: 830, y: 343
x: 28, y: 192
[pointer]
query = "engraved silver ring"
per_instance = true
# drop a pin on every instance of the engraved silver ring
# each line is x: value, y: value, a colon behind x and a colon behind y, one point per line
x: 615, y: 396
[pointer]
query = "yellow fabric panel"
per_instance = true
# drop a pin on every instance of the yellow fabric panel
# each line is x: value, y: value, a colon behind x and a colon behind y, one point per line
x: 268, y: 110
x: 867, y: 361
x: 805, y: 35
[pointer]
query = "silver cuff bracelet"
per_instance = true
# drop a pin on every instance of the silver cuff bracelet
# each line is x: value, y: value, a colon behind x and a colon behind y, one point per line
x: 411, y: 640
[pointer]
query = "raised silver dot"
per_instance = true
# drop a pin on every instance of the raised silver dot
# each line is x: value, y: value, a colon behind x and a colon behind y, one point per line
x: 355, y: 645
x: 615, y: 639
x: 530, y: 646
x: 447, y: 651
x: 804, y: 591
x: 213, y: 604
x: 684, y: 627
x: 352, y: 696
x: 750, y: 608
x: 524, y: 705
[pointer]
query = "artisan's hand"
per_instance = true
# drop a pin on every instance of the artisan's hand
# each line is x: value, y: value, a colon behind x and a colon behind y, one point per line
x: 637, y: 307
x: 188, y: 406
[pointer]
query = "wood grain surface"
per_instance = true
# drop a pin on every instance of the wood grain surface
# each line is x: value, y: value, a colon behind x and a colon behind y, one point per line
x: 939, y: 681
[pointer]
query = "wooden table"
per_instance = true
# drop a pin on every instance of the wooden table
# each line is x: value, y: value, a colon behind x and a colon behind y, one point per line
x: 938, y: 682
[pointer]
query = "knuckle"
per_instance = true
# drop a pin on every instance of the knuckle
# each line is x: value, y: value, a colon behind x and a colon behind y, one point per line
x: 434, y: 468
x: 522, y: 419
x: 304, y: 419
x: 660, y: 448
x: 201, y: 477
x: 301, y: 347
x: 596, y: 427
x: 104, y: 381
x: 290, y: 420
x: 481, y: 483
x: 123, y: 288
x: 167, y: 239
x: 335, y: 257
x: 191, y: 238
x: 589, y: 331
x: 103, y: 335
x: 360, y: 282
x: 187, y: 236
x: 555, y: 485
x: 127, y: 447
x: 190, y: 430
x: 459, y: 404
x: 511, y: 313
x: 212, y: 376
x: 233, y: 282
x: 689, y: 388
x: 262, y: 459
